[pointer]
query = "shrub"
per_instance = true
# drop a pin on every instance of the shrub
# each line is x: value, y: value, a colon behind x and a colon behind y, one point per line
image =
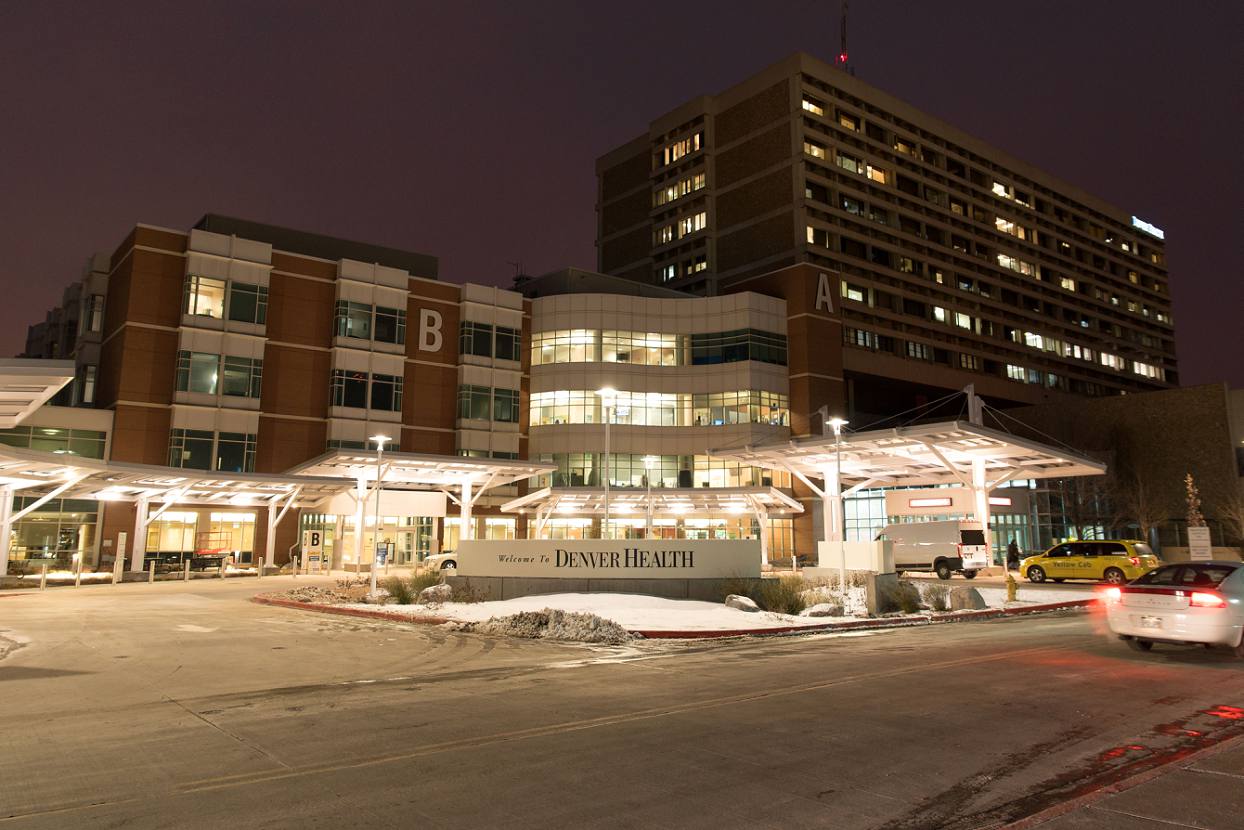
x: 426, y: 579
x: 781, y: 596
x: 938, y: 597
x: 898, y: 596
x: 400, y: 591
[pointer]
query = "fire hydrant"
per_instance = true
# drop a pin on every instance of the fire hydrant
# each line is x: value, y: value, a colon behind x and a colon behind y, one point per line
x: 1011, y: 587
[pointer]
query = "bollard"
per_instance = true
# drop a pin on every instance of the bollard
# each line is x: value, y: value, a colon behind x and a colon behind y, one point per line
x: 77, y: 575
x: 185, y: 571
x: 151, y: 573
x: 259, y: 569
x: 222, y: 568
x: 43, y: 579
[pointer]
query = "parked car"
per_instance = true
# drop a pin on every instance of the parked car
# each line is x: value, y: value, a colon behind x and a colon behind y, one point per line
x: 1191, y: 602
x: 943, y: 547
x: 446, y: 560
x: 1114, y: 560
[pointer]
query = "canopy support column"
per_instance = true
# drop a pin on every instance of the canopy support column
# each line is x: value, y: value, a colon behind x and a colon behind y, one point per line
x: 138, y: 544
x: 980, y: 491
x: 6, y: 526
x: 762, y: 520
x: 831, y: 504
x: 274, y: 519
x: 360, y: 504
x: 467, y: 531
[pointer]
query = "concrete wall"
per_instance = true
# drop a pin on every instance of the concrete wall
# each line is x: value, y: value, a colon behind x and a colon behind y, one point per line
x: 498, y: 587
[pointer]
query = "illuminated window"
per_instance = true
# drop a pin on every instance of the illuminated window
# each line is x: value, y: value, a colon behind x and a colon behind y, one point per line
x: 678, y: 189
x: 1067, y: 283
x: 691, y: 224
x: 679, y: 149
x: 970, y: 361
x: 906, y: 147
x: 1015, y: 264
x: 205, y: 296
x: 814, y: 149
x: 353, y: 320
x: 854, y: 292
x: 669, y: 272
x: 876, y: 174
x: 851, y: 122
x: 1003, y: 190
x: 939, y: 314
x: 963, y: 321
x: 813, y: 106
x: 198, y: 372
x: 1016, y: 372
x: 663, y: 235
x: 919, y: 351
x: 1007, y: 226
x: 853, y: 206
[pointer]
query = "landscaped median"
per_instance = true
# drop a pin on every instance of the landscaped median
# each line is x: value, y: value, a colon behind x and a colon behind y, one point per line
x: 607, y: 617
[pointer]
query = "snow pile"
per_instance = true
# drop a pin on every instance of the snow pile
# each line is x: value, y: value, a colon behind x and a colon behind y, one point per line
x: 996, y: 597
x: 553, y: 624
x: 854, y: 602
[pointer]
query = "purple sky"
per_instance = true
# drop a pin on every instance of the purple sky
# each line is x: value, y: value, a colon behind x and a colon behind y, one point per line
x: 469, y: 130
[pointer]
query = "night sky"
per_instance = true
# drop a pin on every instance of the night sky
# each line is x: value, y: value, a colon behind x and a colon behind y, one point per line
x: 469, y: 130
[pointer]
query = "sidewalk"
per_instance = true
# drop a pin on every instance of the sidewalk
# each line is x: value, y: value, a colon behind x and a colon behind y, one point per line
x: 1205, y: 791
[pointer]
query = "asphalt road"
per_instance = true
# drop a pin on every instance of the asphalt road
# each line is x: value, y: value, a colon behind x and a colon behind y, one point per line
x: 188, y: 706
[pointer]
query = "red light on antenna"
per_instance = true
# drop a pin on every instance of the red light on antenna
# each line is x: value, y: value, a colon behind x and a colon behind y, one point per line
x: 842, y: 57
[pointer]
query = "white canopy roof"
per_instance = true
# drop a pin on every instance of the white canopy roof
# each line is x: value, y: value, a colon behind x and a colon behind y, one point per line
x: 25, y: 385
x: 919, y: 455
x: 88, y: 478
x: 588, y: 501
x: 418, y: 470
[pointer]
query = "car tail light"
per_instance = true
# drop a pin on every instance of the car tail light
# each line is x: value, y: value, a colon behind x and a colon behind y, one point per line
x: 1113, y: 593
x: 1204, y: 599
x: 1135, y: 560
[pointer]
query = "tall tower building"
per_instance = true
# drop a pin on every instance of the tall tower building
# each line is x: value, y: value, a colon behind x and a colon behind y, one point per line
x: 952, y: 262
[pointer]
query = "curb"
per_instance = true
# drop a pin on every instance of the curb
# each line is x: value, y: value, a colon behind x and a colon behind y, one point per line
x: 346, y: 612
x: 884, y: 622
x: 850, y: 625
x: 1110, y: 788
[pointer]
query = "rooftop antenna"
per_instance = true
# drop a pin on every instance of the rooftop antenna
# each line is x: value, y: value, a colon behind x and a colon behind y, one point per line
x: 843, y: 55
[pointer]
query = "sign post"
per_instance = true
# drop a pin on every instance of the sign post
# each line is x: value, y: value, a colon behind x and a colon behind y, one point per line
x: 1199, y: 547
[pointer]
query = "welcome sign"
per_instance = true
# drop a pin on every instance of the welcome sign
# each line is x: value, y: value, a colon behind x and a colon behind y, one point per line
x: 610, y: 559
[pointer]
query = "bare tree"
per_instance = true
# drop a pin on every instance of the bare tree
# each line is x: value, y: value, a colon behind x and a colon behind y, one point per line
x: 1231, y: 515
x: 1136, y: 502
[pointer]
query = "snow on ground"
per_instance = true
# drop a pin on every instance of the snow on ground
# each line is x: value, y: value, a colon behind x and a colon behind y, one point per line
x: 996, y: 597
x: 634, y: 612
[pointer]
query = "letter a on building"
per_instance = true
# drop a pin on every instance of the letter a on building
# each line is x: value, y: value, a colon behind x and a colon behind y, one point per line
x: 824, y: 299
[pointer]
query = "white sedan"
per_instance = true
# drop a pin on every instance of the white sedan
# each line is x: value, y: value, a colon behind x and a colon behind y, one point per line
x: 1190, y: 602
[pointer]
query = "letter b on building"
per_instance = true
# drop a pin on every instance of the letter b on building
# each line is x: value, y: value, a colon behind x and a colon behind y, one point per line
x: 430, y: 339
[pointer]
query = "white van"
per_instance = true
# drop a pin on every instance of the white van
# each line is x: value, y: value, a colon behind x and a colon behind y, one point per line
x: 943, y: 547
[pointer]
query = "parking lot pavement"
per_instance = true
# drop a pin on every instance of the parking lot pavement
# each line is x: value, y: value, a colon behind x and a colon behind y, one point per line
x: 190, y: 706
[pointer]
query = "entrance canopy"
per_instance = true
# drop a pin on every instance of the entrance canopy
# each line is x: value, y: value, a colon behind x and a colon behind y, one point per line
x: 25, y: 385
x: 590, y: 501
x: 921, y: 455
x: 422, y: 471
x: 952, y: 452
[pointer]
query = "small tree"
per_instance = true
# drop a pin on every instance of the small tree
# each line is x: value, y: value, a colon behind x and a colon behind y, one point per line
x: 1195, y: 519
x: 1136, y: 501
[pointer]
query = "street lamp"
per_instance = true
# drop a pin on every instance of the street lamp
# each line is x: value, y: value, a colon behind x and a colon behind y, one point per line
x: 650, y: 461
x: 607, y: 396
x: 380, y: 440
x: 837, y: 424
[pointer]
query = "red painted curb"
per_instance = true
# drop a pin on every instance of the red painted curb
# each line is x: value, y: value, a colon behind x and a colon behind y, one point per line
x: 848, y: 625
x: 346, y: 612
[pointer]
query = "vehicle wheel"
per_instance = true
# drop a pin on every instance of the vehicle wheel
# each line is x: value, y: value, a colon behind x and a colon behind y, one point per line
x: 1036, y: 574
x: 943, y: 570
x: 449, y: 566
x: 1141, y: 645
x: 1115, y: 576
x: 969, y: 574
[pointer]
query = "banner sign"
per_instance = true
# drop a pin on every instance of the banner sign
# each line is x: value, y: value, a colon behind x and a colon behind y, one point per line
x: 610, y: 559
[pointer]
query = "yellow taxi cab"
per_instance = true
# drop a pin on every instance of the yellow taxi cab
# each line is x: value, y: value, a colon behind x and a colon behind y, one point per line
x: 1115, y: 561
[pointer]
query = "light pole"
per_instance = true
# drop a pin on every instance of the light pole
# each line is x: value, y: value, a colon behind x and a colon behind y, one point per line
x: 649, y: 462
x: 380, y: 440
x: 837, y: 424
x: 607, y: 395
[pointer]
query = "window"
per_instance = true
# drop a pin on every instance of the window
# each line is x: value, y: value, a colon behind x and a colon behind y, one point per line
x: 83, y: 442
x: 508, y: 343
x: 474, y: 403
x: 349, y: 389
x: 939, y: 314
x: 1004, y: 191
x: 197, y: 372
x: 859, y: 337
x: 963, y: 321
x: 853, y: 206
x: 814, y: 149
x: 475, y: 338
x: 970, y: 361
x: 669, y: 272
x: 205, y: 296
x: 676, y: 190
x: 876, y: 174
x: 1016, y: 372
x: 386, y: 393
x: 851, y: 122
x: 86, y: 385
x: 813, y: 106
x: 191, y: 449
x: 505, y: 405
x: 243, y: 377
x: 698, y: 264
x: 390, y: 325
x: 673, y: 152
x: 958, y: 206
x: 854, y: 292
x: 248, y: 303
x: 92, y: 313
x: 1067, y: 283
x: 663, y: 235
x: 235, y: 452
x: 919, y: 351
x: 353, y: 320
x: 691, y: 224
x: 850, y: 163
x: 738, y: 345
x: 1015, y: 264
x: 907, y: 148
